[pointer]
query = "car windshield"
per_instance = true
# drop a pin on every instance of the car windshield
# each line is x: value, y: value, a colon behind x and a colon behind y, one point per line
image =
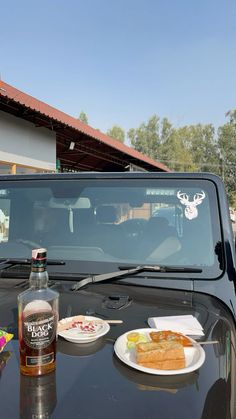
x: 122, y: 221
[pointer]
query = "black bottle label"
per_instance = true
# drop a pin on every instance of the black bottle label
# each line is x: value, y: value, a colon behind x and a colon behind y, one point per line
x: 39, y: 330
x: 35, y: 361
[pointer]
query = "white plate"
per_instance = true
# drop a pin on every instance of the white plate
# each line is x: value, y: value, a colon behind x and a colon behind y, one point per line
x: 194, y: 356
x: 75, y: 335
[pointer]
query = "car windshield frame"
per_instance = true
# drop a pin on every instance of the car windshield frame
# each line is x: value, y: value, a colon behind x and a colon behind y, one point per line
x: 78, y: 194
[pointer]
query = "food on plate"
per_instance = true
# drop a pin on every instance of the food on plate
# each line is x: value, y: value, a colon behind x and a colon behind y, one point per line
x: 168, y: 335
x: 134, y: 337
x: 162, y: 350
x: 165, y: 355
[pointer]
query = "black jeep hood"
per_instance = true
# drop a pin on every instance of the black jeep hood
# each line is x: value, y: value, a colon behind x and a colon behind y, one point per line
x: 91, y: 382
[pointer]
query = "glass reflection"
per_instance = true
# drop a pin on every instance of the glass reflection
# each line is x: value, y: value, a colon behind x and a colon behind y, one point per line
x: 38, y: 396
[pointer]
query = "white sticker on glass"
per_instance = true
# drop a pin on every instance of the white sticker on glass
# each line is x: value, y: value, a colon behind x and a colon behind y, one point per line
x: 191, y: 211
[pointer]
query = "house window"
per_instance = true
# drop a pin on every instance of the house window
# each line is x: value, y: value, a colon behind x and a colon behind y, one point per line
x: 5, y: 169
x: 12, y: 168
x: 23, y: 169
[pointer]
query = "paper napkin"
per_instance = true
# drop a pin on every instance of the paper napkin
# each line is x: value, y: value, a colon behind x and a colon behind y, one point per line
x: 186, y: 324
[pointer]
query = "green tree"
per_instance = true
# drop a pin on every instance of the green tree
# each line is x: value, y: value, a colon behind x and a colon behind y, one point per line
x: 83, y: 117
x: 200, y: 141
x: 159, y: 140
x: 117, y: 133
x: 148, y: 137
x: 189, y: 148
x: 174, y: 153
x: 227, y: 147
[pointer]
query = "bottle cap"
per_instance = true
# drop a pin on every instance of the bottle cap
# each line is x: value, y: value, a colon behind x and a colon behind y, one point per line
x: 39, y: 253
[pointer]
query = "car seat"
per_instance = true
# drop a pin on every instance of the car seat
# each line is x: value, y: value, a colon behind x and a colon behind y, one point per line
x: 156, y: 231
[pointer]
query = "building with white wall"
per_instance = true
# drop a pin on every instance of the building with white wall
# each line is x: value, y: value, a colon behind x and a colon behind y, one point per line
x: 24, y: 148
x: 35, y: 137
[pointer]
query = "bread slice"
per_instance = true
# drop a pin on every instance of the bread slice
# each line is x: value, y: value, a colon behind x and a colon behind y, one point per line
x: 162, y: 355
x: 169, y: 364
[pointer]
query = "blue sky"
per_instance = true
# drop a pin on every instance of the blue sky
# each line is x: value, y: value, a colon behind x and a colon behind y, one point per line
x: 121, y: 61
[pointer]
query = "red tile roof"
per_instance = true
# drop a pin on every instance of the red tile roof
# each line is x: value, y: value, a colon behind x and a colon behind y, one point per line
x: 36, y: 105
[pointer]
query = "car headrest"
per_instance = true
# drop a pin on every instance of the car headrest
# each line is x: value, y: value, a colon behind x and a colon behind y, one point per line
x: 83, y: 216
x: 106, y: 214
x: 157, y: 222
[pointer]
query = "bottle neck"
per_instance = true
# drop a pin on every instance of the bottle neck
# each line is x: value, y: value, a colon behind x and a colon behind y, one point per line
x: 38, y: 276
x: 38, y: 279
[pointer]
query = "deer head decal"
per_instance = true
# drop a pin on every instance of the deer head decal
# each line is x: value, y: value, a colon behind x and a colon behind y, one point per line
x: 190, y: 210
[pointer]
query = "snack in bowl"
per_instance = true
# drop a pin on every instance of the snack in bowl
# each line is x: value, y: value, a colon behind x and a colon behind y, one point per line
x: 168, y: 335
x: 82, y: 329
x: 165, y: 355
x: 82, y: 324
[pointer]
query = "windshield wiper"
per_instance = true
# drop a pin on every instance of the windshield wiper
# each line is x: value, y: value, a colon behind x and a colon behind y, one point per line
x: 130, y: 271
x: 16, y: 261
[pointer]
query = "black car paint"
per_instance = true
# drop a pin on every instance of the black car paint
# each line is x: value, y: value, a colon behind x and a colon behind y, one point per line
x: 91, y: 382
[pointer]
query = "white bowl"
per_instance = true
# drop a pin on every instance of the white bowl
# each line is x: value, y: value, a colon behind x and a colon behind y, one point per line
x: 75, y: 335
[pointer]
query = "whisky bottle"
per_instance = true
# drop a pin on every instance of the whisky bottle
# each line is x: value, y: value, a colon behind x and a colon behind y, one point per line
x: 37, y: 320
